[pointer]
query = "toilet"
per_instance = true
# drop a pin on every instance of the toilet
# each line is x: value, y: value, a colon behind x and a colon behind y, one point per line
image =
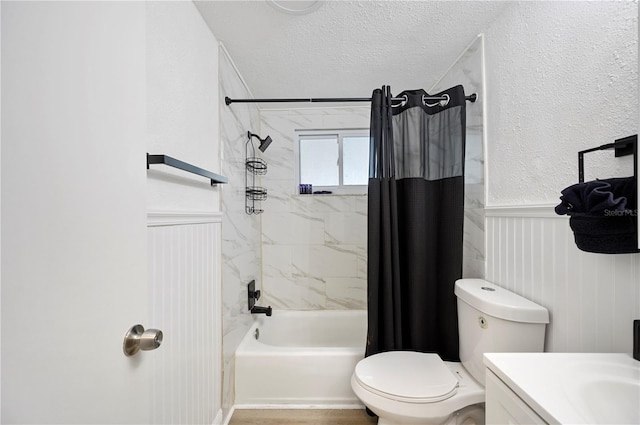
x: 407, y: 387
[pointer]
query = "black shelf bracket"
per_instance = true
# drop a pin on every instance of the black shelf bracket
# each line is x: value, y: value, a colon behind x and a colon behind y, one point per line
x: 623, y: 147
x: 176, y: 163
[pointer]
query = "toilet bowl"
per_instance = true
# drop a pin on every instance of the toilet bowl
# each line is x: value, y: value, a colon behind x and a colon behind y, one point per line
x: 408, y: 387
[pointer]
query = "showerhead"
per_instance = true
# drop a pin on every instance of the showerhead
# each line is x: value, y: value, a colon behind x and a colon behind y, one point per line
x: 264, y: 143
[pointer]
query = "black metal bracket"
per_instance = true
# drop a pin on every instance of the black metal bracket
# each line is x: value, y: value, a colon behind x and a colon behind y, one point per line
x: 176, y: 163
x: 252, y: 294
x: 623, y: 147
x: 636, y: 339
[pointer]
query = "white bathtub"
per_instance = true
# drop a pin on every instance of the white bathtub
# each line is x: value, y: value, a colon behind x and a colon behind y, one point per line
x: 302, y: 358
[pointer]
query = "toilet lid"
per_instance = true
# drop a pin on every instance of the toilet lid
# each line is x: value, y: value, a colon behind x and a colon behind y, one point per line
x: 407, y: 376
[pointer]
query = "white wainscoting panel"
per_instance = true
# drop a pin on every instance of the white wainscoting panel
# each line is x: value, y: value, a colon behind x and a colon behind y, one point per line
x: 185, y: 303
x: 592, y: 298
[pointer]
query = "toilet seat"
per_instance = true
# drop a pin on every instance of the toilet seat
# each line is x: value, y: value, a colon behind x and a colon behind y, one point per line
x: 407, y: 376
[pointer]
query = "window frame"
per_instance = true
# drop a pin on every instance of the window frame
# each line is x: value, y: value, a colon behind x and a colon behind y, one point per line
x: 340, y: 134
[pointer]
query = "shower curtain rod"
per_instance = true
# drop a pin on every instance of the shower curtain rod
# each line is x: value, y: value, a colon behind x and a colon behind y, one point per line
x: 471, y: 98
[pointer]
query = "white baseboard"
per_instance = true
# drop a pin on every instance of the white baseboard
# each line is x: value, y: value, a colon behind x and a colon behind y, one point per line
x: 229, y: 415
x: 298, y: 406
x: 218, y: 419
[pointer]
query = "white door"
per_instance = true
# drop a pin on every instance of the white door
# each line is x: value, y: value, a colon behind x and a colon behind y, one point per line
x: 73, y: 212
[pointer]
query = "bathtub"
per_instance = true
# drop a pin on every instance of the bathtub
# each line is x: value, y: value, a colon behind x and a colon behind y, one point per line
x: 302, y: 358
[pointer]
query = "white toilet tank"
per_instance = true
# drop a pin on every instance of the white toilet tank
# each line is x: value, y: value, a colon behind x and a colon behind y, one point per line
x: 492, y: 319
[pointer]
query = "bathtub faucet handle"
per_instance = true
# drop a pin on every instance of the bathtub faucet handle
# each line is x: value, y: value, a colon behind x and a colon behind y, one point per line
x: 256, y: 294
x: 252, y: 296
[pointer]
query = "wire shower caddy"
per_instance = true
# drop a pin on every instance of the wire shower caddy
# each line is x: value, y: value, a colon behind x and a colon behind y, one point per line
x: 254, y: 166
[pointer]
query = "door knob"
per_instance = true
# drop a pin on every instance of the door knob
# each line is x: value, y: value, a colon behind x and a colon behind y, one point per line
x: 137, y: 339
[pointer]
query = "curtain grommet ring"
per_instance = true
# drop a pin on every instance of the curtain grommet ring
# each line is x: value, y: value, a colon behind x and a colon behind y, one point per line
x: 401, y: 104
x: 442, y: 103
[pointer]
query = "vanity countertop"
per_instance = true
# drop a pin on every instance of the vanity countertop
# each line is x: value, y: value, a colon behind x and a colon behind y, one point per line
x: 573, y: 388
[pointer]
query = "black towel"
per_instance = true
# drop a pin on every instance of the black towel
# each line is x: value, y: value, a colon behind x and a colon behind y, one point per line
x: 597, y: 197
x: 606, y: 235
x: 604, y: 215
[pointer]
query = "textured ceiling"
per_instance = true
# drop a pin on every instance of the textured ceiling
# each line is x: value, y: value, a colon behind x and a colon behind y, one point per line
x: 346, y: 48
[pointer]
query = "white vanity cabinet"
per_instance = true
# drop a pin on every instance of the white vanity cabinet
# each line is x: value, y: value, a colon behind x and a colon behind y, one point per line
x: 562, y: 388
x: 503, y: 406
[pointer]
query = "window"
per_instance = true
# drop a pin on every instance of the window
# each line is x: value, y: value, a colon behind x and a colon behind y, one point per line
x: 336, y: 161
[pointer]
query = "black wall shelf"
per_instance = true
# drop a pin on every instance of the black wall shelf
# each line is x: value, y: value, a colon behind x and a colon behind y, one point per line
x: 176, y: 163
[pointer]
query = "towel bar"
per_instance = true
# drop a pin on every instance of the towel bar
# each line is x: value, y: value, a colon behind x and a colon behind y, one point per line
x: 176, y: 163
x: 623, y: 147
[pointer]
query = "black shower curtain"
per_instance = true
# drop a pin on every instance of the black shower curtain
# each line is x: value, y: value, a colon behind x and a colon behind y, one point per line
x: 415, y: 222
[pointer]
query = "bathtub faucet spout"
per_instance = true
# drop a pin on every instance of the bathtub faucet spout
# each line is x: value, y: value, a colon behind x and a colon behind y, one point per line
x: 256, y: 309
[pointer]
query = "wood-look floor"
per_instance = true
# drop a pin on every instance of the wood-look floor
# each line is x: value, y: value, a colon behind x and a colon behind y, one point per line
x: 301, y: 417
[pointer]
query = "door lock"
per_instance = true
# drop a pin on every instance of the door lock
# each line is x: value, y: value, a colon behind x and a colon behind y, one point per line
x: 137, y: 339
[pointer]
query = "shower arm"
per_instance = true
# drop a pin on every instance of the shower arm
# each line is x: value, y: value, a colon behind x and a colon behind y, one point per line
x: 250, y: 135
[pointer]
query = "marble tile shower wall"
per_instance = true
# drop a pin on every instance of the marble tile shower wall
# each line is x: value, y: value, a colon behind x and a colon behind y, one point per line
x: 240, y: 232
x: 468, y: 71
x: 314, y: 247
